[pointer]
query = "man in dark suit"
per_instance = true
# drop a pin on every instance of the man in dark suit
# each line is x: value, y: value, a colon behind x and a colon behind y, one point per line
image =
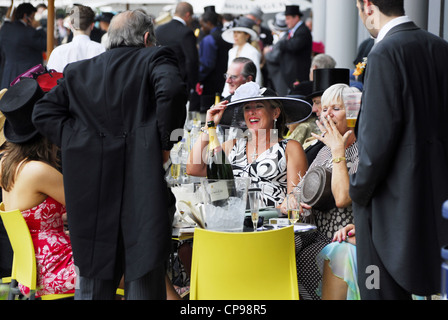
x: 113, y: 116
x: 402, y: 177
x: 178, y: 35
x: 213, y: 59
x: 295, y: 46
x: 22, y: 43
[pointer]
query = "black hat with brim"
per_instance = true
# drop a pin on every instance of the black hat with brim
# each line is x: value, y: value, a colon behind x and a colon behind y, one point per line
x: 296, y: 110
x: 17, y: 106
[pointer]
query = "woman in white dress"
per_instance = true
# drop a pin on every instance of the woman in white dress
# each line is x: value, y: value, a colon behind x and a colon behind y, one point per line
x: 241, y: 35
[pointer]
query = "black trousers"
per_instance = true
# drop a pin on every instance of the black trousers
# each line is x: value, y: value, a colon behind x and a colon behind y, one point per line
x: 370, y: 263
x: 149, y: 287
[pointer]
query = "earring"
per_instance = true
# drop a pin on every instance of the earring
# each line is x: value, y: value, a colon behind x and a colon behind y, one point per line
x: 274, y: 133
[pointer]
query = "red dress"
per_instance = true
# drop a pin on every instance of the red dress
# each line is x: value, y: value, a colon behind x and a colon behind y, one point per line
x: 54, y: 257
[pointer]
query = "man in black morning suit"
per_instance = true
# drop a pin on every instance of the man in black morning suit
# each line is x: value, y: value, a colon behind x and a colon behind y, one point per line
x: 113, y: 117
x: 402, y: 177
x: 180, y: 37
x: 295, y: 47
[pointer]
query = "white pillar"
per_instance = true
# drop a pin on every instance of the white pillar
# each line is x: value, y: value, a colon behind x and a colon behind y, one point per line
x: 319, y: 20
x: 417, y: 10
x: 341, y: 31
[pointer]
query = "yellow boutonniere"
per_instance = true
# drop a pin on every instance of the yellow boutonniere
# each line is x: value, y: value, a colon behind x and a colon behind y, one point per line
x: 360, y: 67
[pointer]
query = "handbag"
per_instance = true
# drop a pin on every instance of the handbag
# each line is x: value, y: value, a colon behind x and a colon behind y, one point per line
x: 47, y: 79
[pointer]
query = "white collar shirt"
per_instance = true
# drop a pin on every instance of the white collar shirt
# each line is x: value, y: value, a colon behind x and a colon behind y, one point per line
x: 80, y: 48
x: 180, y: 20
x: 390, y: 25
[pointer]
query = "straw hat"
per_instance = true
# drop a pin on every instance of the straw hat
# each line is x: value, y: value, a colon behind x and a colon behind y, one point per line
x: 296, y: 110
x: 243, y: 24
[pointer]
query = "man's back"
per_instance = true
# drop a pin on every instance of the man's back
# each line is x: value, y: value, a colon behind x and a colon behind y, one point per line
x: 181, y: 38
x: 80, y: 48
x: 22, y: 46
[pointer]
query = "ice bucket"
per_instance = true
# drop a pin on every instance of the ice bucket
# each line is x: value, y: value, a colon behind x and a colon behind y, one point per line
x: 225, y: 203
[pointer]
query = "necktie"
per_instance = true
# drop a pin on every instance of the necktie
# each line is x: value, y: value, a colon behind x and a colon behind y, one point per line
x: 290, y: 34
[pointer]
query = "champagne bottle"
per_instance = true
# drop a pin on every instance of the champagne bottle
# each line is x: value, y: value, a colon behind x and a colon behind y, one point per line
x: 217, y: 98
x: 218, y: 166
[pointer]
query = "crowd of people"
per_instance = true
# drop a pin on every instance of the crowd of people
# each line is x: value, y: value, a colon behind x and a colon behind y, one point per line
x: 95, y: 149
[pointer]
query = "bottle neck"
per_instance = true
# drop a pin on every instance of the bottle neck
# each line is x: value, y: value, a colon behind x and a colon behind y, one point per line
x: 213, y: 138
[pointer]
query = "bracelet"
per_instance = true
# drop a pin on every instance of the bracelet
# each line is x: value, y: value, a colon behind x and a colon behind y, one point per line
x: 204, y: 130
x: 337, y: 160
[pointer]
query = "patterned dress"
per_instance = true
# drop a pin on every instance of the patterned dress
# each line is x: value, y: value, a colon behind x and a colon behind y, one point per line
x: 268, y: 170
x: 54, y: 259
x: 309, y: 245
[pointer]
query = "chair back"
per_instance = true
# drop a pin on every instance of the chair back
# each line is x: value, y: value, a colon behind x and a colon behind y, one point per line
x: 24, y: 261
x: 244, y: 265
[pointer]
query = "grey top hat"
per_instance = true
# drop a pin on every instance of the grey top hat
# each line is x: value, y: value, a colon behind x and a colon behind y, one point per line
x: 279, y: 23
x: 316, y: 189
x: 296, y: 110
x: 17, y: 106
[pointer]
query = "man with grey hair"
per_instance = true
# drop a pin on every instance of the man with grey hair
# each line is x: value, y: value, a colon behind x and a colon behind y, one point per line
x: 113, y: 116
x: 81, y: 47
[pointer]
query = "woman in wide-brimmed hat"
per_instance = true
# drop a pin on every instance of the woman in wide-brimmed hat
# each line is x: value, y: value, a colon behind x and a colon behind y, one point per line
x: 261, y: 153
x: 242, y: 34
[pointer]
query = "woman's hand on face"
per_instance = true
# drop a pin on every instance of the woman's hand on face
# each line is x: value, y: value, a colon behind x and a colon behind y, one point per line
x: 215, y: 112
x: 330, y: 134
x: 346, y: 233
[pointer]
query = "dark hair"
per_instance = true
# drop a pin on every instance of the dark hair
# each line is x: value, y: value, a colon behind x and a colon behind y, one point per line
x: 81, y: 17
x: 388, y: 7
x: 37, y: 149
x: 24, y: 8
x: 210, y: 16
x: 249, y: 68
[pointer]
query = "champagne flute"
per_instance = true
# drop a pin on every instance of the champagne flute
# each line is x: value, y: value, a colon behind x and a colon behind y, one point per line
x: 293, y: 203
x: 254, y: 201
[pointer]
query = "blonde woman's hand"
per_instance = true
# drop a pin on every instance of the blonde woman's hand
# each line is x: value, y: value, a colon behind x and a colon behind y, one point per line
x: 331, y: 135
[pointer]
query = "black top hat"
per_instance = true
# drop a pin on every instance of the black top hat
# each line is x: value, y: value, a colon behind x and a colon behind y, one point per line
x: 17, y: 105
x: 296, y: 110
x: 210, y: 8
x: 105, y: 17
x: 325, y: 78
x: 293, y: 11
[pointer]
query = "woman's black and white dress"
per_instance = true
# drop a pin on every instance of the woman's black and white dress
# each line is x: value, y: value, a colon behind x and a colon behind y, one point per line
x: 308, y: 246
x: 268, y: 170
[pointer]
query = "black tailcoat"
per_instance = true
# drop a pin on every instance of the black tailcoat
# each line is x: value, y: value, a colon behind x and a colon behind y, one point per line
x: 113, y: 115
x: 402, y: 177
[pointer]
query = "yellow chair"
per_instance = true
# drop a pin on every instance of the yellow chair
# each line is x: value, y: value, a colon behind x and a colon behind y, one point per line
x: 244, y: 265
x: 24, y: 259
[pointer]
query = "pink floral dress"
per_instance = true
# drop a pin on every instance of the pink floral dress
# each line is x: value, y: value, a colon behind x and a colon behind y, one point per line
x: 54, y: 257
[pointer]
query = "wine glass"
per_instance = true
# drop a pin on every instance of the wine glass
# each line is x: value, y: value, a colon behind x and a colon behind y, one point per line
x: 293, y: 203
x: 254, y: 201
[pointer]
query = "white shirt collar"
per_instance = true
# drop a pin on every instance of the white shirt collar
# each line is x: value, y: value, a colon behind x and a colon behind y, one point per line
x: 180, y: 20
x: 81, y: 37
x: 390, y: 25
